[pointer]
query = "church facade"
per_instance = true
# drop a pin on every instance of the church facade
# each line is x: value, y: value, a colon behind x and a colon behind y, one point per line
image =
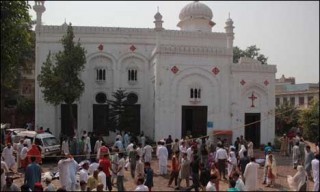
x: 180, y: 82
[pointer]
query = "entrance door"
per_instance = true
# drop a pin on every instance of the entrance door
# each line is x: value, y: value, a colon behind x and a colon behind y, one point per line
x: 66, y: 123
x: 100, y: 119
x: 194, y: 121
x: 134, y: 120
x: 252, y: 131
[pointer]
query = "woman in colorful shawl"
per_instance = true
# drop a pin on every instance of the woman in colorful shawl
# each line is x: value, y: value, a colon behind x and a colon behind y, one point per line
x: 271, y: 171
x: 34, y: 151
x: 210, y: 160
x: 214, y: 171
x: 232, y: 162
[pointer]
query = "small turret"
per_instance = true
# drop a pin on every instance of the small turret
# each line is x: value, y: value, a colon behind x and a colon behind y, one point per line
x: 39, y: 8
x: 229, y: 31
x: 158, y: 21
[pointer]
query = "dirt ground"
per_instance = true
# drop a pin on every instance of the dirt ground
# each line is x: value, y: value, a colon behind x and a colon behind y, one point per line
x: 284, y: 168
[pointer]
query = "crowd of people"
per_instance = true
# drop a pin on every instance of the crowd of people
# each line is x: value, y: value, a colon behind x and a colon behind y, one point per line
x: 91, y: 165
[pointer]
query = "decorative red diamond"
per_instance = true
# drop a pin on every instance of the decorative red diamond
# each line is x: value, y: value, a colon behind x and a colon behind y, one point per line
x: 132, y: 48
x: 266, y: 82
x: 242, y: 82
x: 174, y: 69
x: 100, y: 47
x: 215, y: 70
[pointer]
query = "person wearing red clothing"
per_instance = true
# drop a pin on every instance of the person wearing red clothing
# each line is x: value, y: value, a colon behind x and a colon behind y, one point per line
x: 34, y: 151
x: 8, y: 138
x: 106, y: 166
x: 102, y: 150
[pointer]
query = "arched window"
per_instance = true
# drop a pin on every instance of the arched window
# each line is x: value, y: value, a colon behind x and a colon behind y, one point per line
x: 195, y: 93
x: 101, y: 74
x: 132, y: 75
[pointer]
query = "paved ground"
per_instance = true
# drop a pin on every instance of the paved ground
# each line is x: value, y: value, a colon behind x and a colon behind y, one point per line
x: 160, y: 182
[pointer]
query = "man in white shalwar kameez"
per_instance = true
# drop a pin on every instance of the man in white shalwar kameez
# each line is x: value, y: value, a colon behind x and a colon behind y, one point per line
x: 298, y: 180
x: 73, y: 168
x: 251, y: 175
x: 87, y: 147
x: 147, y: 153
x: 8, y: 157
x: 65, y: 147
x: 64, y: 173
x: 163, y: 158
x: 97, y: 145
x: 295, y: 155
x: 250, y: 148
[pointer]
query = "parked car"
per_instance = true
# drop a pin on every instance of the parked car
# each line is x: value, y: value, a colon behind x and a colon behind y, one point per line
x: 49, y: 144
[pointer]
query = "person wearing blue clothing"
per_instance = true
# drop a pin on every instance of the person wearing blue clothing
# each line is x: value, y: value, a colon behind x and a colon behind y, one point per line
x: 118, y: 144
x: 33, y: 173
x: 149, y: 175
x: 267, y: 148
x: 232, y: 186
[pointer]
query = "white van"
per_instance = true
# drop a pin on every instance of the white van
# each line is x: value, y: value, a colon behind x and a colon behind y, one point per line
x: 48, y: 143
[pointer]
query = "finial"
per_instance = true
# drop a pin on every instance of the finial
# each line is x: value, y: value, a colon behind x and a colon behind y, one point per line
x: 158, y: 9
x: 229, y: 15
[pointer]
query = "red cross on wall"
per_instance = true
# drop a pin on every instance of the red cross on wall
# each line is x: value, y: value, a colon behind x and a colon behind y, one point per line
x: 252, y: 99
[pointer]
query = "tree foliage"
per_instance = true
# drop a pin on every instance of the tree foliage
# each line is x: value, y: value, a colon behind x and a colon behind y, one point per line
x: 251, y: 52
x: 59, y: 77
x: 309, y: 121
x: 286, y: 118
x: 16, y: 40
x: 120, y: 113
x: 25, y: 106
x: 17, y: 44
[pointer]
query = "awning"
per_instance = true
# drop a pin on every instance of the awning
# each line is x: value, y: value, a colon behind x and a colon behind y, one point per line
x: 222, y: 132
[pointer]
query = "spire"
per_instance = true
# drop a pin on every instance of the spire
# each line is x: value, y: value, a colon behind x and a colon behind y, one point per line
x: 229, y: 31
x: 65, y: 22
x: 39, y: 8
x: 158, y: 20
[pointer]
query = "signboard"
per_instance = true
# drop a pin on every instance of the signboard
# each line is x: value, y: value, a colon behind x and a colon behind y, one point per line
x: 209, y: 124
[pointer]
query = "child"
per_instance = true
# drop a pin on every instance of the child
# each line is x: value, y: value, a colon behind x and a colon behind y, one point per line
x: 232, y: 185
x: 174, y: 169
x: 149, y: 175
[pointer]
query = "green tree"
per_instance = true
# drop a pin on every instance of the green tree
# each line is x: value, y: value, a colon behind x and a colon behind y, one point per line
x: 286, y: 118
x: 59, y: 80
x: 120, y: 113
x: 309, y: 121
x: 16, y: 45
x: 251, y: 52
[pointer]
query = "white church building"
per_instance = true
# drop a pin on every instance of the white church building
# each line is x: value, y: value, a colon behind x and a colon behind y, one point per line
x: 180, y: 81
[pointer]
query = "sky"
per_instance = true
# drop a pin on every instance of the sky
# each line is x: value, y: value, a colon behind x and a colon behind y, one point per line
x: 287, y: 32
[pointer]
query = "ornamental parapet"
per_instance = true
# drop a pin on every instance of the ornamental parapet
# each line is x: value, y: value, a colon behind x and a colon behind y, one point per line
x: 253, y: 67
x: 194, y: 50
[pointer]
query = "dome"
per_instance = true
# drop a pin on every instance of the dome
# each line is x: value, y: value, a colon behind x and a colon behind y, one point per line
x: 195, y: 10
